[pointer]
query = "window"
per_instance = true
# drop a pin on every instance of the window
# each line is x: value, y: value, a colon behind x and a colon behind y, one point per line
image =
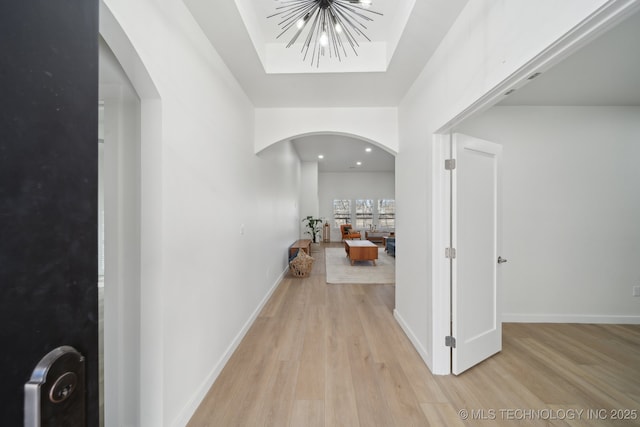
x: 341, y: 212
x: 387, y: 214
x: 364, y: 213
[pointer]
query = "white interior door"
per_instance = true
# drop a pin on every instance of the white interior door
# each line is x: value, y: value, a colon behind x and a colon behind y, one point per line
x: 476, y: 237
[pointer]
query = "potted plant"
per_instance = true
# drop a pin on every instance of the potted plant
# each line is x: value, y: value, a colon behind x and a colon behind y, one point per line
x: 313, y: 224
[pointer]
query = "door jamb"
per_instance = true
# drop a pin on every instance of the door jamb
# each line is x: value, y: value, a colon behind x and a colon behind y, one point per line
x: 441, y: 272
x: 151, y: 283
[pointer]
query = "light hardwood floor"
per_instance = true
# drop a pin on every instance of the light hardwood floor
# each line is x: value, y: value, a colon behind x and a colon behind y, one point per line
x: 333, y: 355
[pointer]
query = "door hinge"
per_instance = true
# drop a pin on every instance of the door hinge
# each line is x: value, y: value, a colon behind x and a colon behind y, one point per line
x: 450, y: 341
x: 450, y: 253
x: 450, y: 164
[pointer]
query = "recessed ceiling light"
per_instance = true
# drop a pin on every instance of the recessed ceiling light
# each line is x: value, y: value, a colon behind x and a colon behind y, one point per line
x: 320, y: 156
x: 368, y: 149
x: 358, y: 163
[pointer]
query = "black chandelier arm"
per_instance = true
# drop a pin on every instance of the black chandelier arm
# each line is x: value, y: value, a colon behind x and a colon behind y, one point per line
x: 306, y: 13
x: 348, y: 14
x: 355, y: 10
x: 287, y: 7
x: 310, y: 35
x: 351, y: 17
x: 333, y: 37
x: 354, y: 25
x: 295, y: 14
x: 351, y: 27
x: 337, y: 40
x: 347, y: 33
x: 316, y: 32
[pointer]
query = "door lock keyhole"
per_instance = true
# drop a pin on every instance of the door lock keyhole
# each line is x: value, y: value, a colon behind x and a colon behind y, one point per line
x: 63, y: 387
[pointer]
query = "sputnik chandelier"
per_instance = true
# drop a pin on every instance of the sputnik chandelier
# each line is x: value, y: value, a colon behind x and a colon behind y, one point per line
x: 332, y: 24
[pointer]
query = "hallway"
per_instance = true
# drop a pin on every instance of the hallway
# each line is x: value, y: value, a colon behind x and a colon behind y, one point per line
x: 322, y: 355
x: 330, y: 355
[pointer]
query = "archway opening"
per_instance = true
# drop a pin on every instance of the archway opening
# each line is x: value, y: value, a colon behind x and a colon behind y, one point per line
x: 343, y: 179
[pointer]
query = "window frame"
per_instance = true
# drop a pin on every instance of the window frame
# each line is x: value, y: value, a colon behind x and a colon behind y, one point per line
x: 364, y: 217
x: 344, y: 215
x: 386, y: 214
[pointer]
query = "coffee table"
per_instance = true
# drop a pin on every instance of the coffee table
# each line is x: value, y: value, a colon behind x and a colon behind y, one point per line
x: 361, y: 250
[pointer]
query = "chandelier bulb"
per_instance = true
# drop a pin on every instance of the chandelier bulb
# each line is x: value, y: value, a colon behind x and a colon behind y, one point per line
x: 324, y: 39
x: 338, y: 28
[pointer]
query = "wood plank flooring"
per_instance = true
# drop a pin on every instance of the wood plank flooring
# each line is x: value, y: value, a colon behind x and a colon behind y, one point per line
x: 333, y: 355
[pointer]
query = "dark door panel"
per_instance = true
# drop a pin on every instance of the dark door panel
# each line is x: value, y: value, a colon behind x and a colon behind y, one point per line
x: 48, y: 191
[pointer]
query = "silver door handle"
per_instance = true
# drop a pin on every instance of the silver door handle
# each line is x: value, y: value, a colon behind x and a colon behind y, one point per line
x: 55, y: 394
x: 501, y: 260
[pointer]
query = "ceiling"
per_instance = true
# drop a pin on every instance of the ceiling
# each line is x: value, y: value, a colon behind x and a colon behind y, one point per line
x: 410, y: 29
x: 606, y: 72
x: 341, y: 154
x: 232, y: 34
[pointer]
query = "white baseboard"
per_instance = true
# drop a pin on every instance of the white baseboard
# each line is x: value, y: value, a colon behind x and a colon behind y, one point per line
x: 424, y: 355
x: 570, y: 318
x: 190, y: 408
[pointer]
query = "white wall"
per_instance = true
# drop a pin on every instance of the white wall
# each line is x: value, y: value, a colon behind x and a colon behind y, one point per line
x: 352, y: 186
x: 226, y: 215
x: 377, y: 125
x: 308, y: 196
x: 570, y: 211
x: 489, y: 42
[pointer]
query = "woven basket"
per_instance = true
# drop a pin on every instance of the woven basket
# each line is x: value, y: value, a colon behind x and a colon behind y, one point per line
x: 301, y: 265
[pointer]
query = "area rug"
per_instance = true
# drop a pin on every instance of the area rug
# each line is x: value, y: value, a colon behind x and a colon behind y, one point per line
x: 340, y: 270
